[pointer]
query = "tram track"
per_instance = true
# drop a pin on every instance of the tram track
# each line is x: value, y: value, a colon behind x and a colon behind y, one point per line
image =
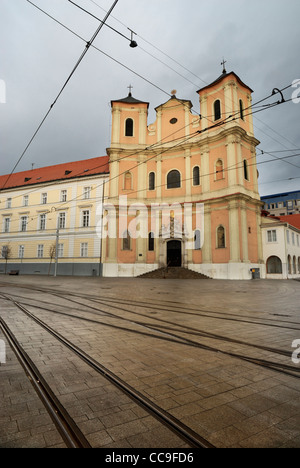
x: 184, y: 432
x: 168, y: 335
x: 179, y: 308
x: 66, y: 426
x: 166, y: 326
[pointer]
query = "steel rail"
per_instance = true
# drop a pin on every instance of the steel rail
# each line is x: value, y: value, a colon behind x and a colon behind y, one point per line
x: 180, y: 429
x: 68, y: 429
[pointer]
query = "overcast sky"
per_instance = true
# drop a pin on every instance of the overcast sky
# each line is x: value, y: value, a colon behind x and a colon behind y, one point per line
x: 259, y: 39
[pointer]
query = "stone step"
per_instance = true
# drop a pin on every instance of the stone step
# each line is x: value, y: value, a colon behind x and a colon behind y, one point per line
x: 174, y: 273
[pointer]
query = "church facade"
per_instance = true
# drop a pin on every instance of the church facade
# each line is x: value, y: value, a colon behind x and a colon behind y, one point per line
x: 183, y: 191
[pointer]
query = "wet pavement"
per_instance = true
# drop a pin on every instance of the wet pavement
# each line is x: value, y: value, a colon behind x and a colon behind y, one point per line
x: 215, y: 355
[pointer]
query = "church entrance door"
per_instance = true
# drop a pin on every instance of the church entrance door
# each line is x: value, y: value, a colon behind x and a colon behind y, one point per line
x: 174, y: 253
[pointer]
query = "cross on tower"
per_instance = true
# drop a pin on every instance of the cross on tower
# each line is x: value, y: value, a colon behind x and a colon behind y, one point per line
x: 130, y: 87
x: 223, y: 64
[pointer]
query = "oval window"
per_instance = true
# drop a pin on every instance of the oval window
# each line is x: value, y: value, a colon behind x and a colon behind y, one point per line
x: 173, y: 121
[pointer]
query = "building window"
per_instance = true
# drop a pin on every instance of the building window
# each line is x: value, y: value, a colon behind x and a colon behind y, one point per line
x: 86, y: 219
x: 126, y: 241
x: 293, y: 238
x: 40, y: 251
x: 42, y: 222
x: 217, y: 109
x: 173, y: 179
x: 298, y: 264
x: 60, y: 250
x: 24, y: 223
x: 84, y: 249
x: 21, y: 251
x: 294, y: 265
x: 289, y: 261
x: 63, y: 195
x: 151, y: 242
x: 196, y: 176
x: 62, y: 221
x: 274, y: 266
x: 197, y: 240
x: 7, y: 225
x: 6, y: 252
x: 288, y: 236
x: 242, y: 110
x: 221, y: 237
x: 152, y: 181
x: 246, y: 171
x: 129, y: 128
x: 87, y: 193
x: 44, y: 198
x: 219, y: 170
x: 25, y: 200
x: 272, y: 236
x: 128, y: 181
x: 8, y: 203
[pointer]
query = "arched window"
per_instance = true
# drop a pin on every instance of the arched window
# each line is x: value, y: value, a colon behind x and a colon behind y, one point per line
x: 126, y: 241
x: 217, y: 109
x: 127, y: 181
x: 197, y: 240
x: 221, y: 237
x: 129, y: 128
x: 152, y: 181
x: 196, y: 176
x: 246, y: 172
x: 219, y: 170
x: 151, y: 242
x: 173, y: 179
x: 274, y: 266
x: 289, y: 265
x: 242, y: 110
x: 294, y: 265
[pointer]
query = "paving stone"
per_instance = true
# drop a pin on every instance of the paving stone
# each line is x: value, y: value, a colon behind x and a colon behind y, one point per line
x: 230, y: 402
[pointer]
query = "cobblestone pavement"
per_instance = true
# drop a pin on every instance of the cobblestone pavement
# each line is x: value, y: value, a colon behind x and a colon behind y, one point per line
x: 201, y: 350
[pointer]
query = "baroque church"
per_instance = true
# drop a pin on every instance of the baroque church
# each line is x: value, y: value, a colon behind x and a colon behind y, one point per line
x: 181, y: 191
x: 205, y: 162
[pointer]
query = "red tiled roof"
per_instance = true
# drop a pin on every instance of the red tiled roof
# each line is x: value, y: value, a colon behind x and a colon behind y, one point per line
x: 64, y: 171
x: 293, y: 220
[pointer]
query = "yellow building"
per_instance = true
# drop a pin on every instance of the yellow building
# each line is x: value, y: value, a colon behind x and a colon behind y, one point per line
x: 49, y: 217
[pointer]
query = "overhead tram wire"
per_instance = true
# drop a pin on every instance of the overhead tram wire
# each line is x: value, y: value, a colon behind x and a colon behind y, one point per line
x: 145, y: 79
x: 87, y: 47
x: 98, y: 19
x: 234, y: 167
x: 215, y: 124
x: 186, y: 69
x: 168, y: 149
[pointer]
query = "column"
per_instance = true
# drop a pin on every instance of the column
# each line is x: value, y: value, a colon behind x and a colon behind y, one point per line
x: 204, y: 170
x: 245, y: 234
x: 159, y: 177
x: 159, y: 131
x: 116, y: 125
x: 207, y: 246
x: 114, y: 175
x: 142, y: 184
x: 142, y: 126
x: 234, y: 231
x: 188, y: 181
x: 231, y: 160
x: 240, y: 163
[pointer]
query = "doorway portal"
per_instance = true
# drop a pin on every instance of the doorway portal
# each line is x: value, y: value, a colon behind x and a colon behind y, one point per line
x: 174, y: 253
